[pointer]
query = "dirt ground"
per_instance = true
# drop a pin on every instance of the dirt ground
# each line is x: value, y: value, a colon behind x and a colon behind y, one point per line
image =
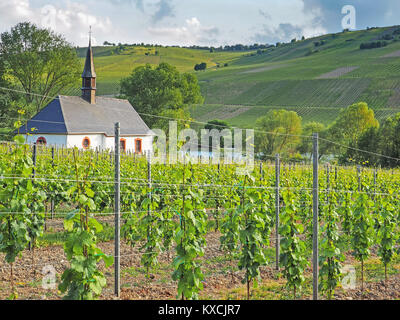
x: 220, y: 281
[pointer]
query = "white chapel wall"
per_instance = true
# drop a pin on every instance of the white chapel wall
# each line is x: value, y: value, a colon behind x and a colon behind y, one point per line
x: 76, y: 140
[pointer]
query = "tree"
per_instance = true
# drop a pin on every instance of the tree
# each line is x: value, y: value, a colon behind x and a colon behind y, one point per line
x: 390, y: 141
x: 279, y: 132
x: 384, y: 139
x: 9, y: 104
x: 156, y: 90
x: 369, y: 141
x: 305, y: 145
x: 201, y: 66
x: 351, y: 123
x: 218, y: 125
x: 39, y: 60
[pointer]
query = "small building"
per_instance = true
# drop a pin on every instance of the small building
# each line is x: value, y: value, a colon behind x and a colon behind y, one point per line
x: 88, y: 121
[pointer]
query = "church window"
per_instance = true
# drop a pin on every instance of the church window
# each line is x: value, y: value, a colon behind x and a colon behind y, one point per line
x: 86, y: 143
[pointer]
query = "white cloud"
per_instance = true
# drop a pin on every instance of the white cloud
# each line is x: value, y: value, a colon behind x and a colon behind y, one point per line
x: 11, y: 10
x: 289, y: 19
x: 191, y: 33
x: 72, y: 20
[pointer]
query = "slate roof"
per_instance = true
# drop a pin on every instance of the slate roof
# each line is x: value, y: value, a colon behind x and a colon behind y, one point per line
x: 74, y: 115
x: 88, y: 70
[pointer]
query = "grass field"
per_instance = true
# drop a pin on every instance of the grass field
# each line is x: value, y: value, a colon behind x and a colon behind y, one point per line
x: 315, y: 81
x: 112, y: 67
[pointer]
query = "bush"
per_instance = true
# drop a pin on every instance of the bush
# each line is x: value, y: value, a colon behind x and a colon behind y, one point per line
x: 373, y: 45
x: 387, y: 37
x: 319, y: 43
x: 201, y: 66
x: 397, y: 31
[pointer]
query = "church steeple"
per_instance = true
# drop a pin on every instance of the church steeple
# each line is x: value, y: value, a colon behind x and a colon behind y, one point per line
x: 89, y: 75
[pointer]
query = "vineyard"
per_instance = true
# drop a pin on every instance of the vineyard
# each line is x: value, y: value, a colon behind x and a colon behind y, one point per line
x: 189, y: 230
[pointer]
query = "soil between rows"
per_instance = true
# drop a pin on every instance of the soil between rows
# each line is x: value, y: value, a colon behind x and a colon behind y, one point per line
x: 220, y: 283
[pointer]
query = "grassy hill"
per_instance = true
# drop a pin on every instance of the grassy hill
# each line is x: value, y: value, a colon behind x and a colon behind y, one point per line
x: 112, y: 65
x: 314, y: 77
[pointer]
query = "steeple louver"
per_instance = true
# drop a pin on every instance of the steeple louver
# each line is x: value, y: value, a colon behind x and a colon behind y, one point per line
x: 89, y: 77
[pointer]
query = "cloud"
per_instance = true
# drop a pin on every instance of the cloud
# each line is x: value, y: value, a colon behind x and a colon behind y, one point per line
x: 191, y: 33
x: 13, y: 10
x: 165, y: 9
x: 139, y: 4
x: 73, y: 20
x: 264, y: 14
x: 368, y: 12
x: 292, y: 19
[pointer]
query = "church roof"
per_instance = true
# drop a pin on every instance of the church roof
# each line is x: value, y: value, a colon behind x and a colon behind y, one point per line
x: 74, y: 115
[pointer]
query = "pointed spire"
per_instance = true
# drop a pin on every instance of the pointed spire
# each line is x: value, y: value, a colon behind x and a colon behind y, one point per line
x: 88, y: 71
x: 89, y: 75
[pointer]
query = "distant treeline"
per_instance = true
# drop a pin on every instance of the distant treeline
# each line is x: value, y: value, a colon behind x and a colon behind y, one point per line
x: 236, y: 47
x: 383, y: 40
x: 372, y: 45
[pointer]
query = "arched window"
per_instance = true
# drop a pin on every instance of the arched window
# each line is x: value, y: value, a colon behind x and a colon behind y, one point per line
x: 41, y: 141
x: 86, y: 143
x: 138, y: 145
x: 122, y: 145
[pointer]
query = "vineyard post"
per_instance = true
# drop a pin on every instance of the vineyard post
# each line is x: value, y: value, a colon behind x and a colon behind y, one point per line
x: 34, y: 160
x: 277, y: 242
x: 375, y: 184
x: 52, y: 200
x: 315, y: 216
x: 34, y: 155
x: 149, y: 182
x: 359, y: 177
x: 117, y: 211
x: 327, y: 180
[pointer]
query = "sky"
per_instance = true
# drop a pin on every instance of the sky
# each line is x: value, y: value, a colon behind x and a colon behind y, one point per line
x: 195, y: 22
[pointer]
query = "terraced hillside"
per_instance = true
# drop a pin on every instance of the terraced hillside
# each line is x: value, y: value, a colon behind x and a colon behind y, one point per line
x: 315, y: 77
x: 313, y: 80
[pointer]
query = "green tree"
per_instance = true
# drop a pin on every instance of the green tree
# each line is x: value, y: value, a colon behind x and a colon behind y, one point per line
x: 216, y: 124
x: 158, y: 90
x: 369, y: 141
x: 40, y: 61
x: 351, y: 123
x: 305, y: 145
x: 384, y: 139
x: 278, y: 131
x: 200, y: 66
x: 389, y: 141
